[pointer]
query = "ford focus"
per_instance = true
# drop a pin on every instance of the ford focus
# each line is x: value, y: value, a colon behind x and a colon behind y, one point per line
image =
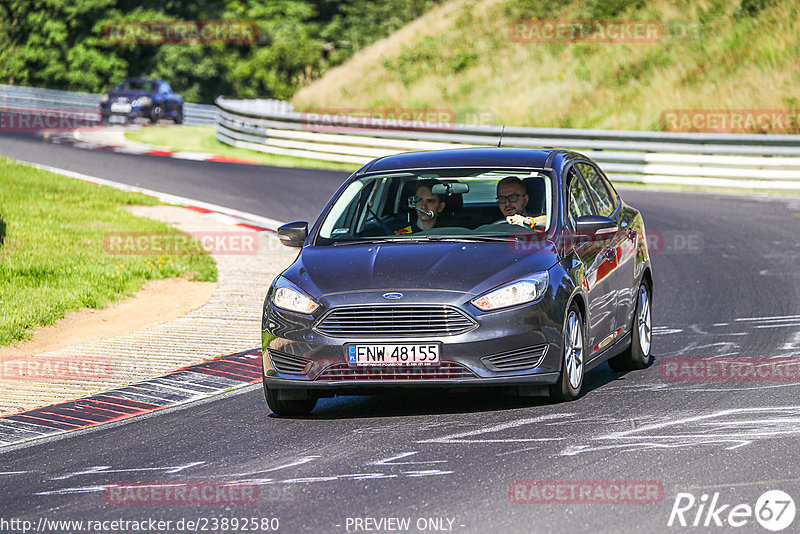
x: 468, y: 268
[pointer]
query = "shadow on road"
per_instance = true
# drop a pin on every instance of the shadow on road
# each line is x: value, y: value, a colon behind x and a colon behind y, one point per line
x: 410, y: 402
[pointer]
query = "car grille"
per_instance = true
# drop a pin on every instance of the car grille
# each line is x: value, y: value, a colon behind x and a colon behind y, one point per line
x: 516, y: 359
x: 445, y: 371
x: 288, y: 364
x: 395, y: 321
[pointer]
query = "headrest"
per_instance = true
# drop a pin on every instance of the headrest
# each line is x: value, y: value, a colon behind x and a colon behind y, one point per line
x: 536, y: 193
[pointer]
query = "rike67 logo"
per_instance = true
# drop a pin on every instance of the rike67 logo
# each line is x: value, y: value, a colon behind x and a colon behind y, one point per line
x: 774, y: 510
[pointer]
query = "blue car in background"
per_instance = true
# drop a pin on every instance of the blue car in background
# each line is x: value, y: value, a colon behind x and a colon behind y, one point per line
x: 141, y: 98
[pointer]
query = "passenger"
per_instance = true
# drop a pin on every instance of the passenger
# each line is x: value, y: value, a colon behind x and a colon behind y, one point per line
x: 428, y: 207
x: 512, y: 199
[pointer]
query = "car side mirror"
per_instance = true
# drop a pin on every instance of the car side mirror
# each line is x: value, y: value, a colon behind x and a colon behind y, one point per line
x: 594, y: 225
x: 293, y: 234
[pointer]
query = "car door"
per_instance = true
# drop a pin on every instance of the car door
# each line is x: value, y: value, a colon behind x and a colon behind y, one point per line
x: 618, y: 247
x: 597, y: 285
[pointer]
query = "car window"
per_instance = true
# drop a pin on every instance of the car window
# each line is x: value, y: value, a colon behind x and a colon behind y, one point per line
x: 136, y: 85
x: 398, y: 204
x: 603, y: 199
x: 579, y: 203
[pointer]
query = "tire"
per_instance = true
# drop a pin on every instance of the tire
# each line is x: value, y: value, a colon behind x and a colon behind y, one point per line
x: 155, y: 113
x: 178, y: 118
x: 287, y: 407
x: 570, y: 380
x: 638, y: 355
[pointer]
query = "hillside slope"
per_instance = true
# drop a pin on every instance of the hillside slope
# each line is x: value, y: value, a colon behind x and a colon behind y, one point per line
x: 741, y: 55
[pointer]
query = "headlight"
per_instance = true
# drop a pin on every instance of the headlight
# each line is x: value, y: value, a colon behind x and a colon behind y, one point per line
x: 290, y: 299
x: 104, y: 99
x: 522, y: 291
x: 142, y: 101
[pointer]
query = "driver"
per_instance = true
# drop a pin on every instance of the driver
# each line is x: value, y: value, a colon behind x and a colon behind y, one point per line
x: 428, y: 207
x: 512, y: 199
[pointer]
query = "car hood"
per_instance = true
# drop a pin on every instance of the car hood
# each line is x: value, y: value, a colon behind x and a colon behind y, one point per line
x: 458, y: 266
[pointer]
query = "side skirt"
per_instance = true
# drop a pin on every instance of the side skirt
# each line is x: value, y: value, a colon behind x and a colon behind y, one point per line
x: 609, y: 352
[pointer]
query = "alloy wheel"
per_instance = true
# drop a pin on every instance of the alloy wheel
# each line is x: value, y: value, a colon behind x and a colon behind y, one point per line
x: 643, y: 320
x: 573, y: 350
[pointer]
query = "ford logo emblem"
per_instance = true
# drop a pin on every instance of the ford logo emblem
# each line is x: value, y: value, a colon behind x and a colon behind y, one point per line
x: 392, y: 296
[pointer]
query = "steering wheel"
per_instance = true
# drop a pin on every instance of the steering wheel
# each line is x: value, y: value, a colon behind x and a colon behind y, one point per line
x: 383, y: 226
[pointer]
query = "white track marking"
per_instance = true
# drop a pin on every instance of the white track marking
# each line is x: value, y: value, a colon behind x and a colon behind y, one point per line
x: 299, y: 461
x: 390, y: 460
x: 107, y: 469
x: 775, y: 318
x: 734, y: 433
x: 258, y: 220
x: 458, y: 438
x: 70, y: 491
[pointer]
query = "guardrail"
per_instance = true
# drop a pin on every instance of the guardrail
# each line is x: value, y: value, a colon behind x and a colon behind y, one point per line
x: 749, y: 161
x: 18, y: 97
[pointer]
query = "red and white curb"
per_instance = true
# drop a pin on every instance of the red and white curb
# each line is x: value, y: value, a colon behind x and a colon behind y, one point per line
x: 183, y: 386
x: 229, y: 215
x: 70, y: 138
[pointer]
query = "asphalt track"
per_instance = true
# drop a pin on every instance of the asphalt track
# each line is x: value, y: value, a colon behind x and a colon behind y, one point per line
x: 726, y: 287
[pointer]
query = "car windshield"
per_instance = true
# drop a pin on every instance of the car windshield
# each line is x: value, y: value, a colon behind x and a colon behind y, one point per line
x: 136, y: 85
x: 462, y: 204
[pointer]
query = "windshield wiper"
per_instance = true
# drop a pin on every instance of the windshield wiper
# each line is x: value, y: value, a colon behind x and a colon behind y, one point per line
x: 479, y: 238
x: 375, y: 241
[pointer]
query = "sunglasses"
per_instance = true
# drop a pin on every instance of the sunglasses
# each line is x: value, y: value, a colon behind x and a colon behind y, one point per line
x: 510, y: 198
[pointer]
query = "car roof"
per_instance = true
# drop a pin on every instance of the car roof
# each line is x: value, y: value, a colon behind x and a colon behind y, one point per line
x: 462, y: 157
x: 152, y: 80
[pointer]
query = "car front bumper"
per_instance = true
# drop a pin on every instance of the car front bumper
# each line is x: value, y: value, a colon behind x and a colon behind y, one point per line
x: 298, y: 356
x: 133, y: 113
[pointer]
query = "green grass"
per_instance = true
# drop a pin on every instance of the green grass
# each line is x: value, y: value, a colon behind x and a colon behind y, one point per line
x: 713, y: 54
x: 201, y: 139
x: 52, y: 256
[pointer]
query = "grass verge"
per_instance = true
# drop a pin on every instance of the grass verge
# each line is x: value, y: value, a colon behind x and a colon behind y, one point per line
x: 469, y: 57
x: 52, y: 258
x: 201, y: 139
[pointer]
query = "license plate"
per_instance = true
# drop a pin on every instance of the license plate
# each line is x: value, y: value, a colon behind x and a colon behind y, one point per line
x: 389, y: 355
x: 118, y: 107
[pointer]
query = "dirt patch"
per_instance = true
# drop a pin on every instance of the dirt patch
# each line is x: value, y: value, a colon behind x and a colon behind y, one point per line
x: 158, y: 301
